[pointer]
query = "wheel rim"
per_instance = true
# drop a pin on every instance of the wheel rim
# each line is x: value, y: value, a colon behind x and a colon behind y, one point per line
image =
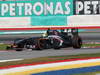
x: 41, y: 44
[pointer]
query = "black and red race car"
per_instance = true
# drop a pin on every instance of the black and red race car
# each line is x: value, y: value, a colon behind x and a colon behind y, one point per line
x: 53, y: 39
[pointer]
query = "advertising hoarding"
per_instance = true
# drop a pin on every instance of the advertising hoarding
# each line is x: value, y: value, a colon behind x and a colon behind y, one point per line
x: 45, y: 14
x: 35, y: 14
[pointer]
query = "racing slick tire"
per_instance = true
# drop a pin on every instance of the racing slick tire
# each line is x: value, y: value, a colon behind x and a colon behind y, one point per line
x: 76, y: 42
x: 40, y: 45
x: 56, y: 45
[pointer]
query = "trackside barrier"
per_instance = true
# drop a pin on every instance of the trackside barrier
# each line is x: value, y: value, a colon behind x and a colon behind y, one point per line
x: 64, y: 67
x: 74, y: 21
x: 84, y: 21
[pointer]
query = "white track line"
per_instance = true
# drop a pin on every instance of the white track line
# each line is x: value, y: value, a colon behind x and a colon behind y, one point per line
x: 10, y: 60
x: 25, y: 68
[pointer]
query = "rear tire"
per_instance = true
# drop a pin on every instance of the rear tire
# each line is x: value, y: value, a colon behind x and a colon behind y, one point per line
x: 76, y: 42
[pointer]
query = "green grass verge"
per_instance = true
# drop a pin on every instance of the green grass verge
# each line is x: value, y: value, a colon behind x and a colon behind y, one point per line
x: 89, y: 73
x: 3, y: 46
x: 89, y: 45
x: 47, y: 59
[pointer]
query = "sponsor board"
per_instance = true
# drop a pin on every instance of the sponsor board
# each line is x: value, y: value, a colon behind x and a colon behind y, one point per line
x: 31, y: 14
x: 87, y: 7
x: 37, y: 15
x: 36, y: 8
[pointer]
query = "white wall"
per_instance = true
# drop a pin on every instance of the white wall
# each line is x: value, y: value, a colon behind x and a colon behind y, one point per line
x: 84, y: 20
x: 15, y: 22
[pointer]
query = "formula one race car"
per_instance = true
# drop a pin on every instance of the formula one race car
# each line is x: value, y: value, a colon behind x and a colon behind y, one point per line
x: 53, y: 39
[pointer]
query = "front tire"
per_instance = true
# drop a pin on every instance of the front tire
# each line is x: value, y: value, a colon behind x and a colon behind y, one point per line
x: 56, y: 44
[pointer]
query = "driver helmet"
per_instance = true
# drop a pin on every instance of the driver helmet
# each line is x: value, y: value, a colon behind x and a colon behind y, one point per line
x: 53, y: 32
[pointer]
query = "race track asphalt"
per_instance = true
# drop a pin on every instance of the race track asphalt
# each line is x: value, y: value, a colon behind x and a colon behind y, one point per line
x: 26, y: 54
